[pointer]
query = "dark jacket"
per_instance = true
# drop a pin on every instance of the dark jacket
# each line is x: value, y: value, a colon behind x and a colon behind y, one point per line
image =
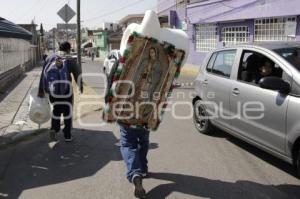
x: 73, y: 68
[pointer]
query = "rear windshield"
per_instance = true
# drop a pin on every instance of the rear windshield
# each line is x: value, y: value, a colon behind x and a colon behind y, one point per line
x: 292, y: 55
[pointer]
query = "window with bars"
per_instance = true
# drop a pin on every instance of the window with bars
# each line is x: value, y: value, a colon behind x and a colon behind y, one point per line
x: 275, y: 29
x: 235, y: 35
x: 206, y: 39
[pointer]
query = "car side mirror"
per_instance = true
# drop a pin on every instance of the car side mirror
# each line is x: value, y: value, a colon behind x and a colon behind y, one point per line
x: 275, y: 83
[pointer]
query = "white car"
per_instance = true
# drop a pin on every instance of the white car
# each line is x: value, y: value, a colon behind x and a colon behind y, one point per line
x: 109, y: 61
x: 74, y: 55
x: 264, y: 78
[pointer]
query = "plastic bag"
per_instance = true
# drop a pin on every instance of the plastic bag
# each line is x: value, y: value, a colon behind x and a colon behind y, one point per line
x: 39, y: 108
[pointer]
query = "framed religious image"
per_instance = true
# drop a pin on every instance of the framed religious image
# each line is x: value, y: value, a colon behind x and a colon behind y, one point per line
x: 142, y: 82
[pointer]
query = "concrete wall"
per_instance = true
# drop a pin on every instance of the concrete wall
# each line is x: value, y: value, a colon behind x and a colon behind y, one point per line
x: 14, y: 52
x: 16, y: 57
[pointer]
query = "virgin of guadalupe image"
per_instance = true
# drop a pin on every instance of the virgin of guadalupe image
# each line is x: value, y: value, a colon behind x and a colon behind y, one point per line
x: 148, y: 77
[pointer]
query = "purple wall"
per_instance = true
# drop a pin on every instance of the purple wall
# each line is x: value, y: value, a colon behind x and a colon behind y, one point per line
x: 239, y: 12
x: 175, y: 15
x: 237, y: 9
x: 181, y: 16
x: 165, y: 6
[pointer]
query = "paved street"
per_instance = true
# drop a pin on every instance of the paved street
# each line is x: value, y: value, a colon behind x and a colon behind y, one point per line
x: 92, y: 74
x: 183, y: 163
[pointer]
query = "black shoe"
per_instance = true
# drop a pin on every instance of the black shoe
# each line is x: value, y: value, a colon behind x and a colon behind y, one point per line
x: 53, y: 135
x: 139, y: 191
x: 69, y: 139
x: 145, y: 173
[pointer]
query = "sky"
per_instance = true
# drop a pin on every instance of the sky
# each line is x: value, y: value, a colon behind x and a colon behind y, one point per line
x: 93, y: 12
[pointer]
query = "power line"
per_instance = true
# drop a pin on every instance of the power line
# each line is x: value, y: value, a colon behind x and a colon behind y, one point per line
x: 29, y: 10
x: 114, y: 11
x: 41, y: 7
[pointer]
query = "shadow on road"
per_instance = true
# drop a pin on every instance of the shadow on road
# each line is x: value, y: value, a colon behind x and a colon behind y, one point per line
x: 280, y: 164
x: 216, y: 189
x: 35, y: 164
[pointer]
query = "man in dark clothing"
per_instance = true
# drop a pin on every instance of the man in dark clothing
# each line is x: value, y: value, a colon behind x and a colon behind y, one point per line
x: 62, y: 103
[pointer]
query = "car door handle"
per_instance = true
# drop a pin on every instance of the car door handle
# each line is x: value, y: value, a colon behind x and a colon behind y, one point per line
x: 205, y: 82
x: 236, y: 91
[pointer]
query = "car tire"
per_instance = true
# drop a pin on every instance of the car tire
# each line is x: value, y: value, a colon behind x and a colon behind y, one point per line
x: 297, y: 166
x: 203, y: 125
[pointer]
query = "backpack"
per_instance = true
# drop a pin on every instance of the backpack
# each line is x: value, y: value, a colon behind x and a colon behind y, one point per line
x: 57, y: 76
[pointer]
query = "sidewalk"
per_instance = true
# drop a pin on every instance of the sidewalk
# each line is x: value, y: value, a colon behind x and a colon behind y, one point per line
x: 14, y: 109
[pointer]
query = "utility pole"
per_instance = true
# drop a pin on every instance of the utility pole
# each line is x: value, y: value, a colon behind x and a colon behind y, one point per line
x: 67, y: 32
x: 66, y: 28
x: 54, y: 46
x: 78, y: 35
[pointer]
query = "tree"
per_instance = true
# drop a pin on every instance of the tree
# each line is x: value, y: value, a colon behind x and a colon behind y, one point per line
x: 41, y: 30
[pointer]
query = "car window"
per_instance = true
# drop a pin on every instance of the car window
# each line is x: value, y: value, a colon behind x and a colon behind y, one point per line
x: 211, y: 62
x: 292, y: 55
x: 254, y: 66
x: 224, y: 62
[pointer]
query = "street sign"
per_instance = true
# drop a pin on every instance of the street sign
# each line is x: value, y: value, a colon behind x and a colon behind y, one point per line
x: 63, y: 26
x: 66, y: 13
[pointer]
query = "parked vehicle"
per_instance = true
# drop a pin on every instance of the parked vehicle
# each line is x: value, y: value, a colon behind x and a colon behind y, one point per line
x: 74, y: 55
x: 253, y: 93
x: 109, y: 61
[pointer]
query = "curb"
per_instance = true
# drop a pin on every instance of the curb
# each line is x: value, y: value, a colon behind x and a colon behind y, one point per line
x: 185, y: 85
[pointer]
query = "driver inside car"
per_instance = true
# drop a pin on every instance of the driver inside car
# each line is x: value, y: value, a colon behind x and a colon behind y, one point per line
x: 265, y: 70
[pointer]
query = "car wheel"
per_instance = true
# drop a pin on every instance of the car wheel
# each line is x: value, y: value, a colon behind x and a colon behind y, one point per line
x: 298, y: 164
x: 201, y: 121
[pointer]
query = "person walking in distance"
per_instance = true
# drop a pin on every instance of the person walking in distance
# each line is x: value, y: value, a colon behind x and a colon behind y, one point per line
x: 56, y: 81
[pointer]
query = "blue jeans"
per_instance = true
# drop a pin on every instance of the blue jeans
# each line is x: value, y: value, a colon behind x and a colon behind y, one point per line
x: 134, y: 149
